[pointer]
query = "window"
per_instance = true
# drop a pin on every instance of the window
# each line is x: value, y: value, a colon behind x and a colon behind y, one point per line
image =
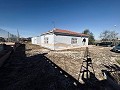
x: 73, y: 40
x: 46, y: 40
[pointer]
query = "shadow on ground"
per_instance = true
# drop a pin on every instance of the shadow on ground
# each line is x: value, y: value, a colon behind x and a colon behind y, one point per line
x: 40, y: 73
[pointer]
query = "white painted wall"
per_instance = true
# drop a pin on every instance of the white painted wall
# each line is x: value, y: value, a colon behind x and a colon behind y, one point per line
x: 67, y: 40
x: 59, y: 42
x: 82, y: 43
x: 50, y: 43
x: 33, y: 41
x: 36, y: 40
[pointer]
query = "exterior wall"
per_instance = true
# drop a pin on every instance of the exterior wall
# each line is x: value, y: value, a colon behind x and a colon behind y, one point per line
x: 64, y: 42
x: 50, y: 43
x: 58, y: 42
x: 36, y: 40
x: 82, y: 43
x: 33, y: 41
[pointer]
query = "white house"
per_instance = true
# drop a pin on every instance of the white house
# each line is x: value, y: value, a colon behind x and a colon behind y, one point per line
x: 36, y: 40
x: 58, y: 39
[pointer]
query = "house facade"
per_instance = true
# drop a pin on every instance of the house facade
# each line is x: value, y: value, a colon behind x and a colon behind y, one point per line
x: 36, y: 40
x: 58, y: 39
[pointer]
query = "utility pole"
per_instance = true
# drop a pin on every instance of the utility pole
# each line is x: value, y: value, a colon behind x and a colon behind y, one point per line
x: 18, y: 36
x: 8, y: 36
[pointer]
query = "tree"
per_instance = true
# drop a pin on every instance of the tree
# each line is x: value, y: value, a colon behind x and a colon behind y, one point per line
x: 2, y: 39
x: 108, y: 35
x: 91, y: 36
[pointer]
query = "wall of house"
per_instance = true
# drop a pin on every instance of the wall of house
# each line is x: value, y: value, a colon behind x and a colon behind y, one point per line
x: 36, y: 40
x: 57, y: 42
x: 64, y: 42
x: 50, y: 43
x: 33, y: 40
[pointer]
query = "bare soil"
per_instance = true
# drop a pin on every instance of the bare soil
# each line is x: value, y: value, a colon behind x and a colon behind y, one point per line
x: 32, y: 67
x: 71, y: 60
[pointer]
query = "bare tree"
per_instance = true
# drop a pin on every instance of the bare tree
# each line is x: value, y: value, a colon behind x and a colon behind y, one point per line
x: 113, y: 35
x: 108, y: 35
x: 104, y: 35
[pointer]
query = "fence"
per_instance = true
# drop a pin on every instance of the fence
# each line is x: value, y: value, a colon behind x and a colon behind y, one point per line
x: 6, y: 36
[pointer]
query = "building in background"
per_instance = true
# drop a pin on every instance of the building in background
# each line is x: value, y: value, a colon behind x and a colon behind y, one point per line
x: 58, y: 39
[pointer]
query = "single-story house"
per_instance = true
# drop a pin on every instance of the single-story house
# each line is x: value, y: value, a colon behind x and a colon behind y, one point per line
x: 36, y: 40
x: 58, y: 39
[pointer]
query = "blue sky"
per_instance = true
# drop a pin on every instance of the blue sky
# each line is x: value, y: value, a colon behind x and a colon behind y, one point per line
x: 33, y: 17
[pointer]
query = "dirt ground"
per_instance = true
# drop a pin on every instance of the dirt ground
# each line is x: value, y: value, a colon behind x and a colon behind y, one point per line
x: 32, y: 67
x: 71, y: 60
x: 28, y: 70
